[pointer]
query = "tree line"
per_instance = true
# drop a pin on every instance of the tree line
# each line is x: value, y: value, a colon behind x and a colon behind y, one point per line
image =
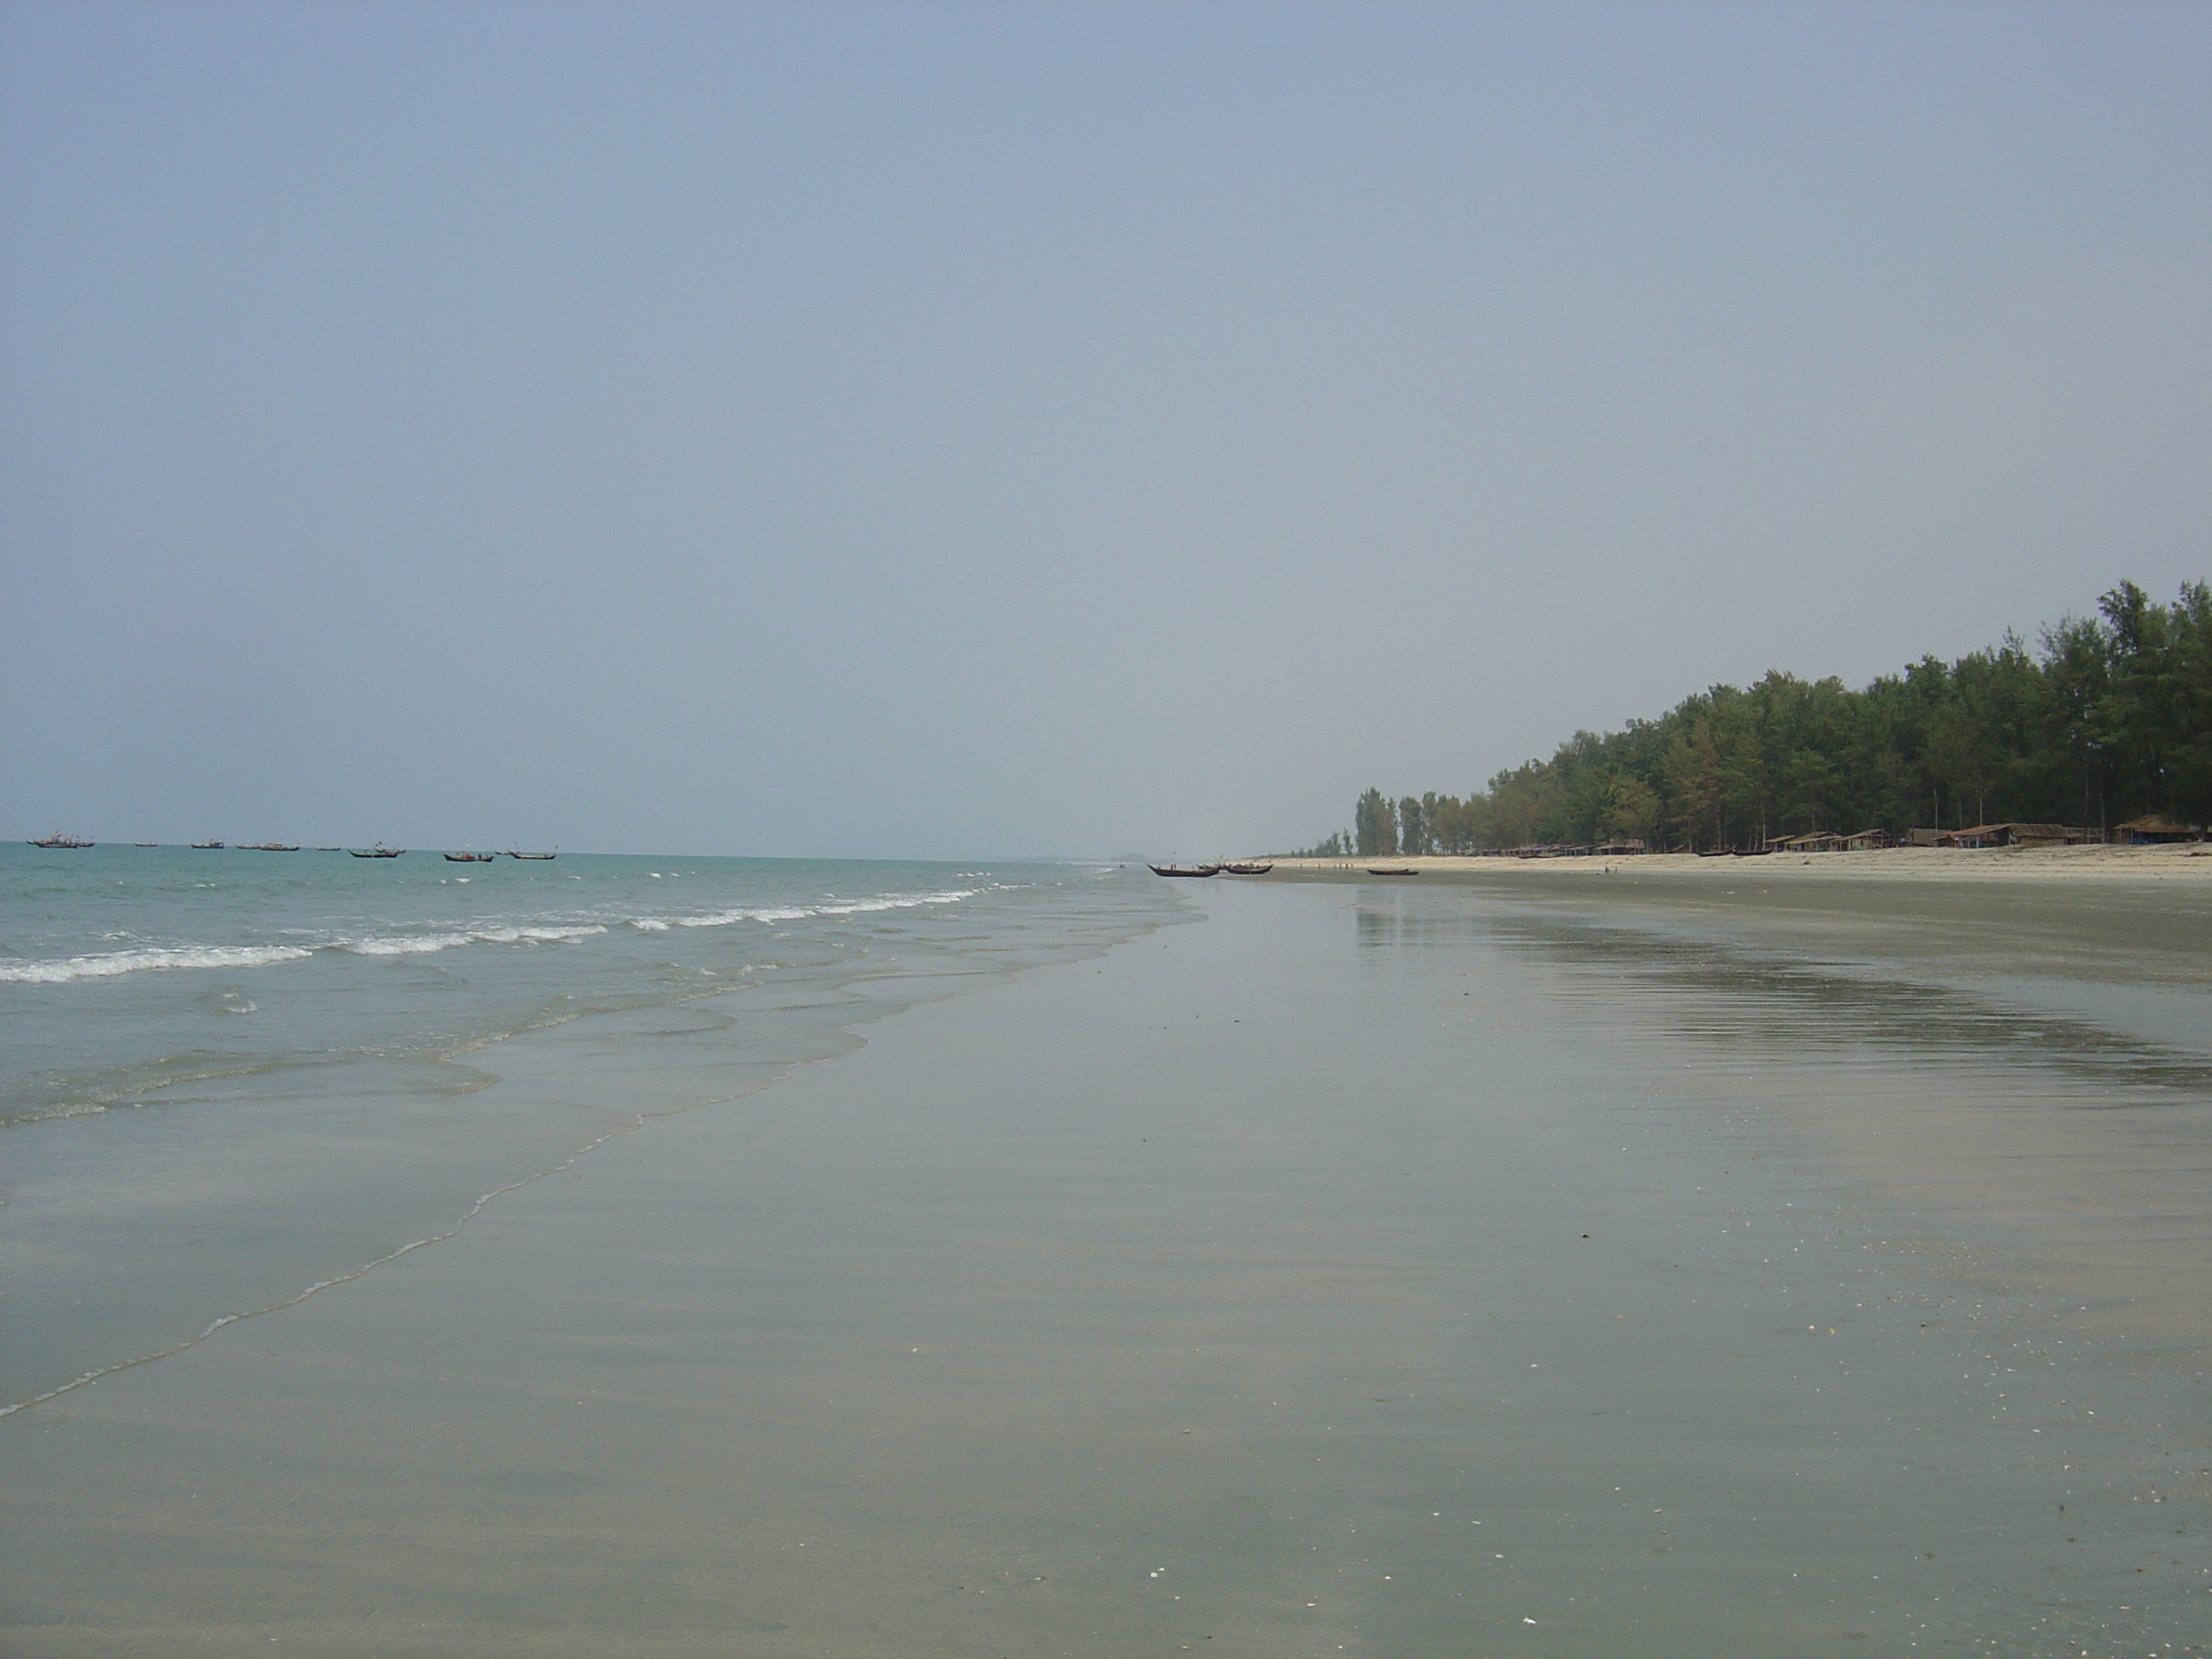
x: 2106, y: 718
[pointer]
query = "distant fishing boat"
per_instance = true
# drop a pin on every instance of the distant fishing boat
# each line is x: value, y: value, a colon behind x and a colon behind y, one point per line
x: 1246, y: 869
x: 270, y: 847
x: 1202, y: 869
x: 472, y: 858
x: 330, y: 849
x: 1394, y: 872
x: 379, y: 851
x: 512, y: 853
x: 207, y: 846
x: 57, y: 839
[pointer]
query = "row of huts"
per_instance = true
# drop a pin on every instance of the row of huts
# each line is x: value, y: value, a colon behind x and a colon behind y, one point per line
x: 2151, y: 830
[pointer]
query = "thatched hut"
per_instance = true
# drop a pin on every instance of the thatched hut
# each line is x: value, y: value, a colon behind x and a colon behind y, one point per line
x: 2152, y: 828
x: 2016, y: 834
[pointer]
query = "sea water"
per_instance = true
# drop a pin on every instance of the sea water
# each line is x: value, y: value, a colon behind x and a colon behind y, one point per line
x: 228, y: 1077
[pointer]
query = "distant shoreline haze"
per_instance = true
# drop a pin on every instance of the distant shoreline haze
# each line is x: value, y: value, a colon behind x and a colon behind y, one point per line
x: 2107, y: 718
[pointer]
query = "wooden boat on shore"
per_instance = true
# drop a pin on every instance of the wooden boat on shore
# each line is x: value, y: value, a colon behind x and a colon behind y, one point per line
x: 472, y: 858
x: 379, y: 851
x: 1246, y: 869
x: 1394, y: 872
x: 1198, y: 871
x: 73, y: 843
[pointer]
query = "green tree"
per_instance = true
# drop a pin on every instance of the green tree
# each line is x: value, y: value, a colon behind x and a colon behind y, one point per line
x: 1632, y: 810
x: 1375, y: 825
x: 1413, y: 827
x: 2109, y: 716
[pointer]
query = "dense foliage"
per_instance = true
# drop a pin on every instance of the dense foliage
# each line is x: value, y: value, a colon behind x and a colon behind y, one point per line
x: 2109, y: 717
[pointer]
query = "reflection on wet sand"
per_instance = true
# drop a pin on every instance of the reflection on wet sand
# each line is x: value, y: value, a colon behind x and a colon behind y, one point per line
x: 1722, y: 992
x: 1852, y: 1035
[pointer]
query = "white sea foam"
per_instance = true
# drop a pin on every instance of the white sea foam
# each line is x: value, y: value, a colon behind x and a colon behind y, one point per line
x: 403, y: 944
x: 409, y: 945
x: 109, y: 965
x: 534, y: 935
x: 898, y: 902
x: 61, y: 970
x: 801, y: 913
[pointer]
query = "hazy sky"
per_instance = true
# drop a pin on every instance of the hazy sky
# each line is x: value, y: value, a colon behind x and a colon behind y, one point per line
x: 954, y: 429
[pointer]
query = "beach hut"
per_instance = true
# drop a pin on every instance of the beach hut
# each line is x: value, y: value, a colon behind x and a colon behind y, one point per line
x: 2152, y: 828
x: 2015, y: 835
x: 1820, y: 841
x: 1867, y: 841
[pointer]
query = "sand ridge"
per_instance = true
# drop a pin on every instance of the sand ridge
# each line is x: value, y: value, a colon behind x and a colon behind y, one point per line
x: 2182, y: 861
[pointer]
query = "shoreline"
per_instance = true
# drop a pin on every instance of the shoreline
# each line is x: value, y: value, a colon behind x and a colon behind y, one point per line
x: 2183, y: 861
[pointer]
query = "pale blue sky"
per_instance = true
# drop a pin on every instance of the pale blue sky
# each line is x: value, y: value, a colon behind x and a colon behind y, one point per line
x: 949, y: 430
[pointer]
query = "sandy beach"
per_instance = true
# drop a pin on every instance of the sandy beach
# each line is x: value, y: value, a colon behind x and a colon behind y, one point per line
x: 2181, y: 861
x: 1402, y: 1269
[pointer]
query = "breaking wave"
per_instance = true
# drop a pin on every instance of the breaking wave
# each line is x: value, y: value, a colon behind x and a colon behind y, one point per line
x: 61, y: 970
x: 108, y: 965
x: 801, y: 913
x: 410, y: 944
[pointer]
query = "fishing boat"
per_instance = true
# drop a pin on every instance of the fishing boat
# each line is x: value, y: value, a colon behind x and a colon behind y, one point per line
x: 1394, y: 872
x: 271, y: 847
x: 1246, y: 869
x: 207, y: 846
x: 1201, y: 870
x: 57, y: 839
x: 530, y: 857
x: 379, y: 851
x: 472, y: 858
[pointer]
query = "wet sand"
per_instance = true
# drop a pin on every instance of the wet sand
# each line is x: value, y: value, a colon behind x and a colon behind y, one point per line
x: 1365, y: 1270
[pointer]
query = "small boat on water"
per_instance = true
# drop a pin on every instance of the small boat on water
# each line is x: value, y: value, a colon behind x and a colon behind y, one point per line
x: 530, y: 857
x: 1246, y: 869
x: 1200, y: 871
x: 1394, y: 872
x: 472, y: 858
x: 270, y: 847
x: 379, y: 851
x: 330, y: 849
x: 145, y: 844
x: 207, y: 846
x: 75, y: 843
